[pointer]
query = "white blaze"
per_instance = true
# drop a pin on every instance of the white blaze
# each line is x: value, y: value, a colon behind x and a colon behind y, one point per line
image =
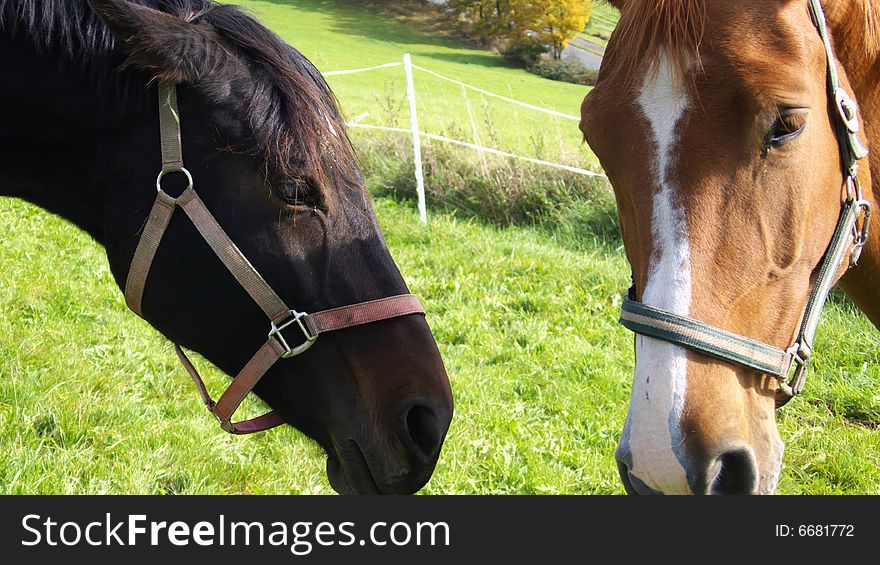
x: 661, y: 368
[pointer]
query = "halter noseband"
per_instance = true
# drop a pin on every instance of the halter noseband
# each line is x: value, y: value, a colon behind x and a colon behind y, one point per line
x: 281, y: 317
x: 703, y: 338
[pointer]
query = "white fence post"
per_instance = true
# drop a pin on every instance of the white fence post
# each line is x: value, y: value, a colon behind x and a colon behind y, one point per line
x: 417, y: 142
x: 417, y: 135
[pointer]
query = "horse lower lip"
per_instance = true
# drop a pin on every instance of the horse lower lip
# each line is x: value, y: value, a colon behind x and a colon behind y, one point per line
x: 350, y: 473
x: 627, y: 483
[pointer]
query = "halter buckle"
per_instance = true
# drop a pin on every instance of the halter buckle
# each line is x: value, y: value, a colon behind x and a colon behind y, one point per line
x: 800, y: 360
x: 291, y: 318
x: 847, y: 109
x: 860, y: 235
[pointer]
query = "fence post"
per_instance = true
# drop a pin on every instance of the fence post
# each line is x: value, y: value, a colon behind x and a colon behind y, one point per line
x: 417, y: 140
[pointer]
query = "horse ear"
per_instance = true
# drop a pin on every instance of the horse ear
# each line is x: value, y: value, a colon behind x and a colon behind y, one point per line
x: 172, y: 49
x: 617, y: 3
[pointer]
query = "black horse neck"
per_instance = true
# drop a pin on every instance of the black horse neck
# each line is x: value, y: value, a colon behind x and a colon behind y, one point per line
x: 53, y: 110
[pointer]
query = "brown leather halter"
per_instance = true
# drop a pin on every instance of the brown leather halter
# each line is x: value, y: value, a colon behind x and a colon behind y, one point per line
x: 280, y: 315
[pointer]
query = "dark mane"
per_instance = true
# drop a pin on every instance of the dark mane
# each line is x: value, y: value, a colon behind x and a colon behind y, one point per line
x: 295, y: 125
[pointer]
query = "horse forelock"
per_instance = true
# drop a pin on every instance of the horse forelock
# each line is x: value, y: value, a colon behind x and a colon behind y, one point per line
x: 295, y: 125
x: 649, y: 29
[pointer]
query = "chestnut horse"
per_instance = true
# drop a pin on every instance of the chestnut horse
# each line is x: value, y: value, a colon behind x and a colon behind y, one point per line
x: 275, y: 222
x: 731, y: 211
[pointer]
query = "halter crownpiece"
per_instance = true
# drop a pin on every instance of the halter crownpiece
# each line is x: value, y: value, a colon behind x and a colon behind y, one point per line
x: 282, y: 317
x: 851, y: 233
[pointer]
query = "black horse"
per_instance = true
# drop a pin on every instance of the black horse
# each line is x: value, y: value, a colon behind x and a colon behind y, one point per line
x: 79, y: 136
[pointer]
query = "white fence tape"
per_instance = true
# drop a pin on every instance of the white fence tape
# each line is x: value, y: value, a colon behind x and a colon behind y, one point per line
x: 511, y: 155
x: 355, y: 71
x: 417, y: 134
x: 483, y: 149
x: 505, y: 98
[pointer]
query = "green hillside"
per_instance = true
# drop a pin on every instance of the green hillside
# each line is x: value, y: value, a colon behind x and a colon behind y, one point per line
x: 602, y: 22
x: 342, y: 35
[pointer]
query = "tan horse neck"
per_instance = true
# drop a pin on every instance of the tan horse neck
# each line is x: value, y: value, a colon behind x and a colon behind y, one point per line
x: 847, y: 19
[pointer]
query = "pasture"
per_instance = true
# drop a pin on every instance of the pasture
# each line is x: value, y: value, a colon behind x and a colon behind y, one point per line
x: 602, y: 22
x: 92, y: 400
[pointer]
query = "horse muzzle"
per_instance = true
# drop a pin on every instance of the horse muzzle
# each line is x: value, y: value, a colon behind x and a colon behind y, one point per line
x: 402, y: 464
x: 735, y: 471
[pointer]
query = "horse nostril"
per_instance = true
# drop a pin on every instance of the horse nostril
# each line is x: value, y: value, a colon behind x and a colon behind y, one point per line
x: 735, y: 472
x: 425, y: 429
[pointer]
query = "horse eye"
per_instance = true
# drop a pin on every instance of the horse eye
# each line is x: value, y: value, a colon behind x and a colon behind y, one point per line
x: 787, y: 127
x: 301, y: 192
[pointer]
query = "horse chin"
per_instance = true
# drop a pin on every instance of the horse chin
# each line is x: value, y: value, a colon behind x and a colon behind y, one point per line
x: 350, y: 472
x: 351, y: 477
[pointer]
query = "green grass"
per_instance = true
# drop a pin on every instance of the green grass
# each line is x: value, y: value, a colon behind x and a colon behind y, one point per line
x: 92, y: 400
x: 602, y: 22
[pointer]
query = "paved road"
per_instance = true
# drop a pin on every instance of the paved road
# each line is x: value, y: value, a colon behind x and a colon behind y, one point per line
x: 589, y: 60
x: 590, y: 44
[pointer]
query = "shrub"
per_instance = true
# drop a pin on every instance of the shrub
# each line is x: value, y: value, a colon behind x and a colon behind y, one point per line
x: 566, y: 70
x: 524, y: 53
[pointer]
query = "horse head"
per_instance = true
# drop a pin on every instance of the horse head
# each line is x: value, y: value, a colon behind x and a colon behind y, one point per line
x: 715, y: 125
x: 270, y: 159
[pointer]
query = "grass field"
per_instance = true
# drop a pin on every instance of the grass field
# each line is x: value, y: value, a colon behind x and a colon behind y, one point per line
x: 602, y: 22
x: 342, y: 35
x: 92, y: 400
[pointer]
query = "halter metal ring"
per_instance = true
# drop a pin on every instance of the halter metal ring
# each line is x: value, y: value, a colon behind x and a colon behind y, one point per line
x: 162, y: 174
x: 293, y: 317
x: 225, y: 425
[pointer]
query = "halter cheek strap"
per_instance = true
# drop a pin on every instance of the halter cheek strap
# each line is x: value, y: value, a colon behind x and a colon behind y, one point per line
x: 283, y: 319
x: 852, y: 148
x: 850, y: 234
x: 698, y: 336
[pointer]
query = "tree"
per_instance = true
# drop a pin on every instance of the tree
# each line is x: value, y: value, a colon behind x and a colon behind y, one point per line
x: 548, y: 22
x: 485, y: 18
x: 552, y: 22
